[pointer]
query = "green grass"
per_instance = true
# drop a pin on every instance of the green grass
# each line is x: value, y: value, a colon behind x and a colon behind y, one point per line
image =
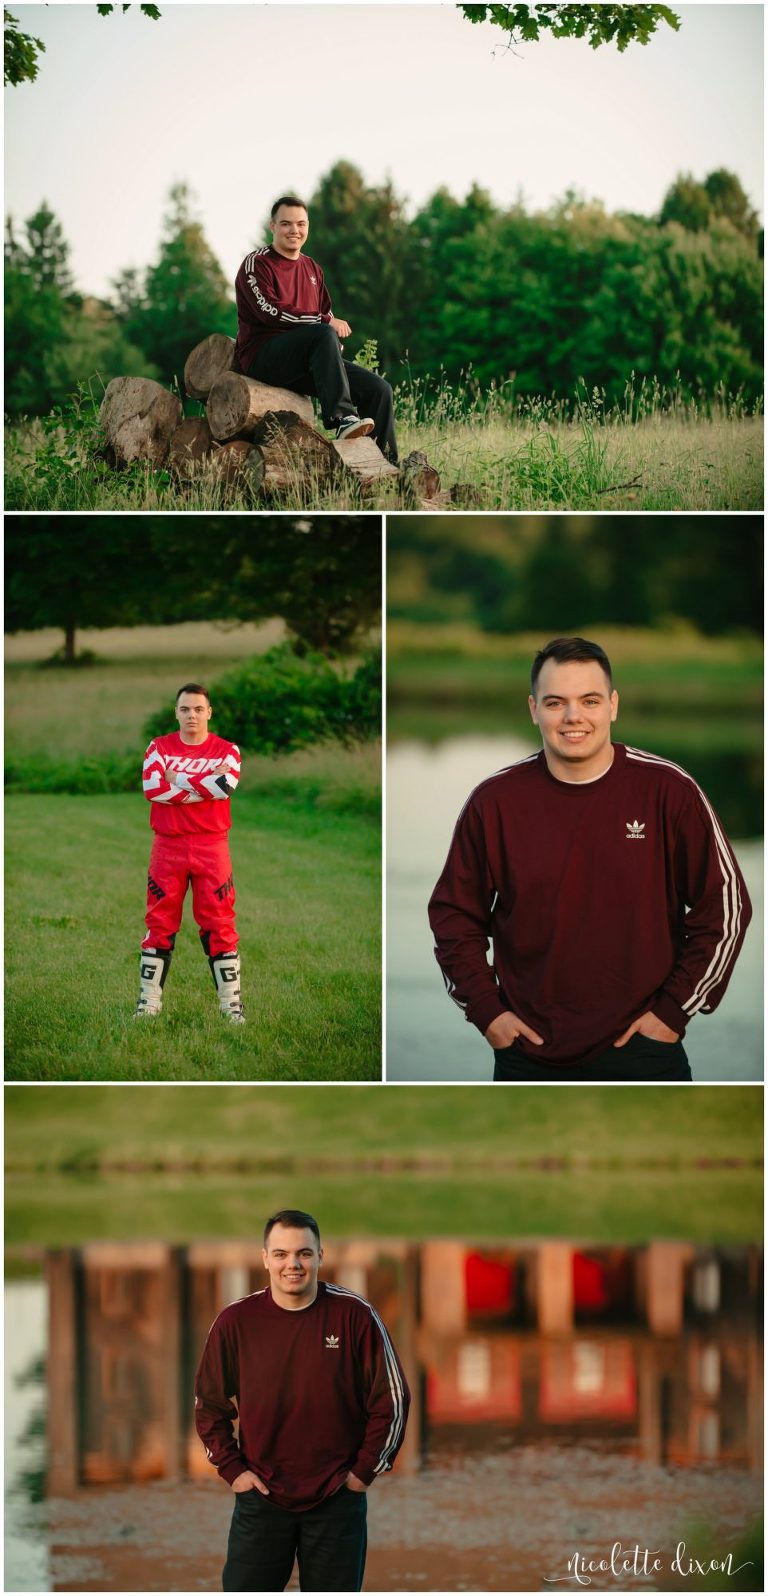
x: 98, y: 1162
x: 660, y: 465
x: 89, y: 1127
x: 306, y: 853
x: 723, y: 1208
x: 665, y: 462
x: 307, y: 871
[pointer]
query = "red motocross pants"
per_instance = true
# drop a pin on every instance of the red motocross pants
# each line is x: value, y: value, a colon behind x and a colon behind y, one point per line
x: 203, y: 860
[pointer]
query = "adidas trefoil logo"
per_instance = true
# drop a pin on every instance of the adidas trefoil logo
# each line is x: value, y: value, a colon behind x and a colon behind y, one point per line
x: 635, y: 830
x: 331, y: 1341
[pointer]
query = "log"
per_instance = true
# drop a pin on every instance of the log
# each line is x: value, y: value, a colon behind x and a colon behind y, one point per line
x: 207, y: 362
x: 364, y: 458
x: 295, y: 456
x: 236, y: 404
x: 419, y: 479
x: 286, y: 421
x: 190, y: 445
x: 139, y: 418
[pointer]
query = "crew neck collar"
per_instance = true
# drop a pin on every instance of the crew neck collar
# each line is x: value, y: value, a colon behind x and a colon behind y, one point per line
x: 593, y: 781
x: 297, y: 1313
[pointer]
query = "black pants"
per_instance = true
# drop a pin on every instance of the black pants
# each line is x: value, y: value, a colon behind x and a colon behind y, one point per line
x: 309, y: 360
x: 640, y: 1059
x: 329, y: 1541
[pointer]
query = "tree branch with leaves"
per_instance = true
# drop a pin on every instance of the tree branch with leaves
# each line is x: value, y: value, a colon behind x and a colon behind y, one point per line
x: 599, y: 24
x: 21, y: 51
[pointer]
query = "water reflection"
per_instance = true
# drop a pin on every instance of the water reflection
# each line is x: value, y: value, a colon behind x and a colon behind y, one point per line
x: 544, y: 1357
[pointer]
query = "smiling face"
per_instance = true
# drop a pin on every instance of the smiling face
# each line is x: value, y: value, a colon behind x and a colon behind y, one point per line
x: 292, y: 1258
x: 573, y: 709
x: 289, y: 230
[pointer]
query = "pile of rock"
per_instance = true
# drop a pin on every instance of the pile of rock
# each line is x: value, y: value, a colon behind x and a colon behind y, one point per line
x: 261, y: 439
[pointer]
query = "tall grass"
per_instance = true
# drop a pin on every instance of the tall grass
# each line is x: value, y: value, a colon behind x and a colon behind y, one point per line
x: 659, y: 447
x: 426, y: 401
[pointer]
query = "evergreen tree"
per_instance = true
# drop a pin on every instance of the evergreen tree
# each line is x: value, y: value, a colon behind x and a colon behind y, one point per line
x: 54, y: 339
x: 185, y: 295
x: 359, y: 234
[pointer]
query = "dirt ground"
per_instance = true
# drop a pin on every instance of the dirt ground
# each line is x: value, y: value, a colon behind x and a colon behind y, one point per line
x: 507, y: 1522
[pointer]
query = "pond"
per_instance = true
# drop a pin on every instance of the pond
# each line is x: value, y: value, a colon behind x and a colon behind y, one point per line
x: 427, y: 1038
x: 564, y: 1397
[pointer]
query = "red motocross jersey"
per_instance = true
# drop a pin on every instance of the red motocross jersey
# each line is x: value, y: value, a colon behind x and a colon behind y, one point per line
x: 197, y: 799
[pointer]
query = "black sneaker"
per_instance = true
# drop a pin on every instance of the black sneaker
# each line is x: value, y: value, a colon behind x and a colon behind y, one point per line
x: 354, y: 427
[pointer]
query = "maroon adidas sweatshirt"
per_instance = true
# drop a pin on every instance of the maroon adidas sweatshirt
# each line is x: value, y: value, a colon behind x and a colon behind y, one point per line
x: 603, y: 899
x: 274, y: 293
x: 319, y: 1391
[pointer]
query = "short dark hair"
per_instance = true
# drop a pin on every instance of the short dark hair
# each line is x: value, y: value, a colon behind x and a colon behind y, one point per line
x: 295, y: 1219
x: 566, y: 650
x: 286, y: 199
x: 193, y: 687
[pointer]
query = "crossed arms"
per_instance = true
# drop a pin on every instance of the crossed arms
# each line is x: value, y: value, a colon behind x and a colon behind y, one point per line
x: 164, y: 783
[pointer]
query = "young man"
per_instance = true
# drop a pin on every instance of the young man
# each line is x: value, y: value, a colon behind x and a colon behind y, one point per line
x: 310, y: 1373
x: 605, y: 880
x: 188, y: 779
x: 287, y: 335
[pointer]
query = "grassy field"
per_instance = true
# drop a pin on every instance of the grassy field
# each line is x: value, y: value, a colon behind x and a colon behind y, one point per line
x: 101, y: 708
x: 665, y: 462
x: 306, y: 854
x: 657, y: 671
x: 711, y: 689
x: 97, y: 1162
x: 308, y: 884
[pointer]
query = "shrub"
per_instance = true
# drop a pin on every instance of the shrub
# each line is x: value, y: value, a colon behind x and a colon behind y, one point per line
x: 97, y: 774
x: 281, y: 701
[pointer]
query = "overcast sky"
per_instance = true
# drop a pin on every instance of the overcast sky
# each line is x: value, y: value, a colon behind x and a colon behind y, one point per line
x: 243, y: 101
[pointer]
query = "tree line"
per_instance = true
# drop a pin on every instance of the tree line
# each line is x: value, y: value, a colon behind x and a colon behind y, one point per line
x: 540, y: 300
x: 321, y: 575
x: 506, y: 575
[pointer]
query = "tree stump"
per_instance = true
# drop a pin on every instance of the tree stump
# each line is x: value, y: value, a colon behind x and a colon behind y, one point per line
x: 207, y: 362
x: 190, y: 445
x: 236, y: 405
x: 139, y: 418
x: 364, y: 458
